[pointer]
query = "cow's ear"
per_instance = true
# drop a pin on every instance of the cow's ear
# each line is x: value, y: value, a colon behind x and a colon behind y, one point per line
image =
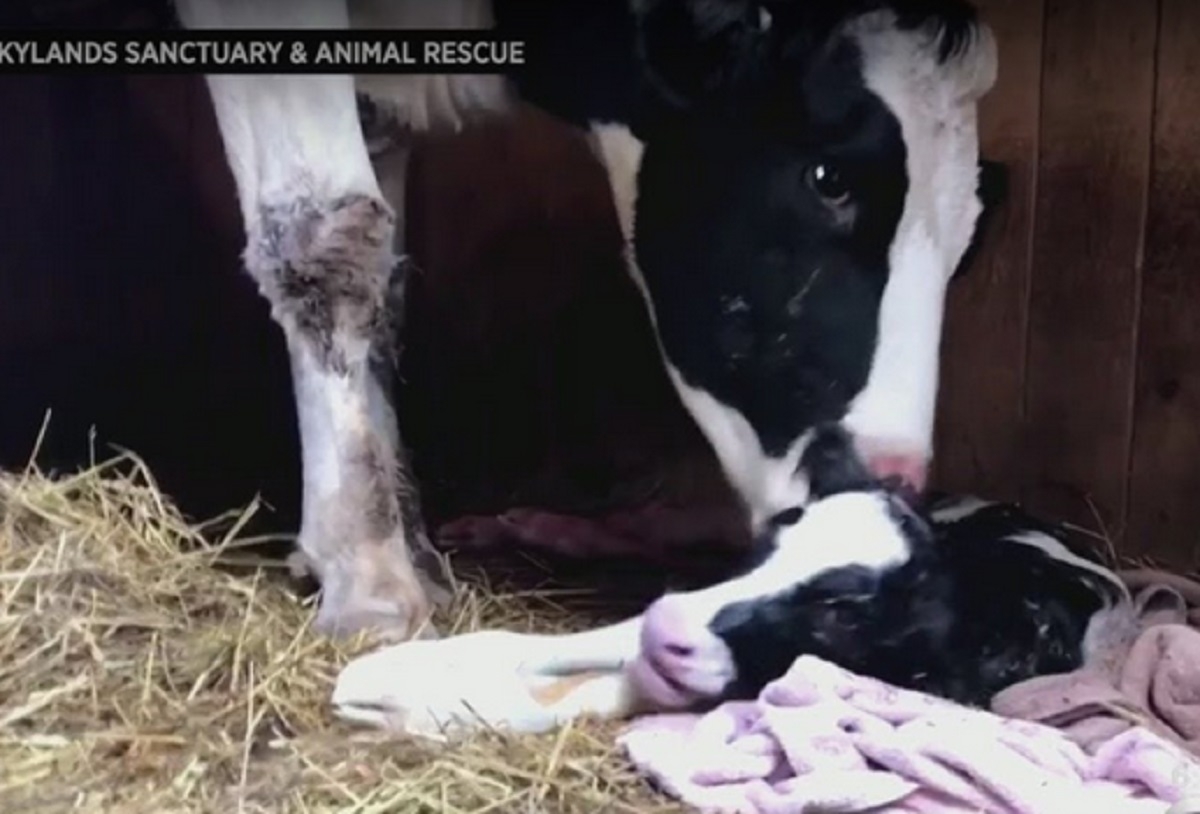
x: 693, y: 49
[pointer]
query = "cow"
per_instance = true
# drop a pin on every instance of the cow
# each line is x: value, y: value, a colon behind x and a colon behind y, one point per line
x: 959, y: 599
x: 796, y: 183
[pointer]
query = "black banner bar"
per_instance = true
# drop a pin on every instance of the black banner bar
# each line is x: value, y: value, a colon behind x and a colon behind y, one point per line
x: 260, y: 51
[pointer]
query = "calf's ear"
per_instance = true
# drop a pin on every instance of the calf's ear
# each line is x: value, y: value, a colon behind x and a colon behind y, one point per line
x: 993, y: 192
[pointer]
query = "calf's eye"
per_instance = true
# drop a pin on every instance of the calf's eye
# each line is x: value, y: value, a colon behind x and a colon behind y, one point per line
x: 826, y: 180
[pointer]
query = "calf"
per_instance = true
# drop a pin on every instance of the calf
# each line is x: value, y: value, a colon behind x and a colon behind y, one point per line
x: 796, y: 183
x: 959, y: 602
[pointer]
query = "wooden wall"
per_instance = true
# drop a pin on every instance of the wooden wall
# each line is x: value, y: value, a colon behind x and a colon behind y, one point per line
x: 1071, y: 374
x: 1072, y: 350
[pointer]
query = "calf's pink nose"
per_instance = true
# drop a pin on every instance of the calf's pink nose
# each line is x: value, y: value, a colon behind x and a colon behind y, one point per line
x: 669, y: 632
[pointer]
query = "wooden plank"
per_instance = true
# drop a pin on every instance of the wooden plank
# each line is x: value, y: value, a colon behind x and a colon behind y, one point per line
x: 1097, y: 102
x: 984, y: 346
x: 1164, y: 520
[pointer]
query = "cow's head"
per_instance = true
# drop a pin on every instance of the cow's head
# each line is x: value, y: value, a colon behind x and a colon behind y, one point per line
x: 794, y: 211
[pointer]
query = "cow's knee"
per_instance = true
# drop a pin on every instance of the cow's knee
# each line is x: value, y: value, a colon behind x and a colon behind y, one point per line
x: 325, y: 266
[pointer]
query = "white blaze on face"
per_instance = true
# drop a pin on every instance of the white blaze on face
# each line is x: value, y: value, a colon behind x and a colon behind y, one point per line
x: 851, y: 529
x: 935, y: 105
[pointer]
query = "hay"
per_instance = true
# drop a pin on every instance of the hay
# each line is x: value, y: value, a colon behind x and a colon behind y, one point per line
x: 151, y: 665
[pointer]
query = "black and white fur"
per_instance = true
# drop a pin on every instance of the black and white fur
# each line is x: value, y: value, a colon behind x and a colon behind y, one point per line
x: 796, y: 182
x: 960, y: 601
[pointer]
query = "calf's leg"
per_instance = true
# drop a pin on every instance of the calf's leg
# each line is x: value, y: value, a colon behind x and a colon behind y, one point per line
x: 320, y: 247
x: 495, y: 679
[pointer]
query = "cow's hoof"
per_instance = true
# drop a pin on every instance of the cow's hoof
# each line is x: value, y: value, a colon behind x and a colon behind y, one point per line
x: 301, y: 566
x: 380, y: 594
x: 433, y: 572
x: 384, y: 620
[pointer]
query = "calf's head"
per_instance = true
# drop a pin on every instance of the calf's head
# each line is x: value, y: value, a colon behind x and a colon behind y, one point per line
x: 961, y: 601
x: 814, y: 575
x: 793, y: 213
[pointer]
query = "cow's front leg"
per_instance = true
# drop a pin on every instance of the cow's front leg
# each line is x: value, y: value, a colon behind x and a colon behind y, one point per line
x: 326, y: 267
x: 320, y: 247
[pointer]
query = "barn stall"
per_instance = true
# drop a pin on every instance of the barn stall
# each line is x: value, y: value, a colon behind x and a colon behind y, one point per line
x: 1071, y: 382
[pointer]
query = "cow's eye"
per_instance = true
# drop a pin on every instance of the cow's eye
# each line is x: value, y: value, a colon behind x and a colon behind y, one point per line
x: 828, y: 182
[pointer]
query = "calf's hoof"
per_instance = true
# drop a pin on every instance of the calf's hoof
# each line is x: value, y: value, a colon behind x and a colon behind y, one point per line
x: 451, y: 687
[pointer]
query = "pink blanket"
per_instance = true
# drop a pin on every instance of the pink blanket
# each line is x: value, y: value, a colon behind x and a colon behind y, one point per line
x: 1120, y: 735
x: 822, y: 739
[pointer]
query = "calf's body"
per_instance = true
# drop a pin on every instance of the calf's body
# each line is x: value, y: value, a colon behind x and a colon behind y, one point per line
x: 960, y: 601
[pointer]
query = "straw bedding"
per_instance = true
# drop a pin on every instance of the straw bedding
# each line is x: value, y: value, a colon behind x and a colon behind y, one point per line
x: 149, y: 665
